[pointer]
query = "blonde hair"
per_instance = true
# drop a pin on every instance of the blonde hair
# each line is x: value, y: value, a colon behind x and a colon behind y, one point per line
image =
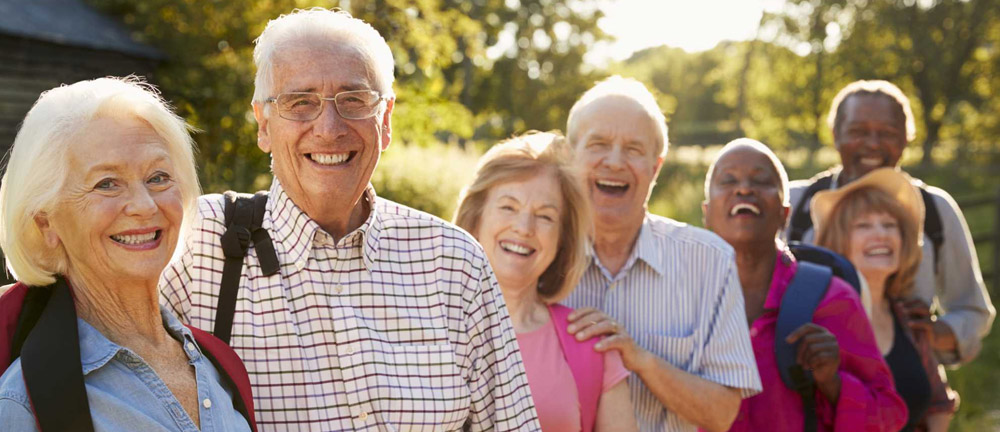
x: 836, y: 233
x: 524, y: 157
x: 622, y: 87
x: 322, y: 25
x: 38, y: 164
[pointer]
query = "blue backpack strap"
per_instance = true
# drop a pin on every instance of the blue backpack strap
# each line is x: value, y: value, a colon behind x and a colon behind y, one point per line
x: 806, y: 290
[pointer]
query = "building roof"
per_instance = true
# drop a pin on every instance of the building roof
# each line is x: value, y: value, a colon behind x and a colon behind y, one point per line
x: 69, y: 22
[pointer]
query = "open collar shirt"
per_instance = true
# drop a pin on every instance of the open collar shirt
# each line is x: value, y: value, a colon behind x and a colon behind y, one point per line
x: 399, y: 325
x: 679, y: 297
x: 125, y: 394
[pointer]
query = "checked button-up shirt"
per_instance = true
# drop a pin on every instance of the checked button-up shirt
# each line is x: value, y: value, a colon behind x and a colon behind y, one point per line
x: 399, y: 325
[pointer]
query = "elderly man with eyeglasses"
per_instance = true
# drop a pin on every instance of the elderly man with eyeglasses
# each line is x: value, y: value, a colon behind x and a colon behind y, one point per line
x: 380, y: 317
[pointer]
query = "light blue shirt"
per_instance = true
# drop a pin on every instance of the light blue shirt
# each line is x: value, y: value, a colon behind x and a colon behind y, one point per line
x: 679, y: 297
x: 125, y: 394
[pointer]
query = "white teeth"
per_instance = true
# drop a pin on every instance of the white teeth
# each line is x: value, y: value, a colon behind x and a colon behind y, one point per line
x: 879, y: 251
x: 134, y: 239
x: 611, y: 183
x: 871, y: 161
x: 516, y: 248
x: 329, y: 159
x: 744, y: 206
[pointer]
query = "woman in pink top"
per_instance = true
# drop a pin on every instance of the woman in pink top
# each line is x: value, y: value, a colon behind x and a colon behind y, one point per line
x: 747, y: 205
x: 528, y: 209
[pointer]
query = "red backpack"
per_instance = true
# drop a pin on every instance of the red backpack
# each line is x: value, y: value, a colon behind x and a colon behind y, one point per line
x: 39, y: 325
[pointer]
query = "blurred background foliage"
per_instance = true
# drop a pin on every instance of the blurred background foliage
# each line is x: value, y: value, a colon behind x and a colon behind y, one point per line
x: 470, y: 73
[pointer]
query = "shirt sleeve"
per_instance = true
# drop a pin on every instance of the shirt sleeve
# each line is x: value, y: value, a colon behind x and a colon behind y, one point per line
x: 961, y: 292
x: 501, y: 398
x: 174, y: 282
x: 614, y: 370
x: 729, y: 358
x: 868, y: 400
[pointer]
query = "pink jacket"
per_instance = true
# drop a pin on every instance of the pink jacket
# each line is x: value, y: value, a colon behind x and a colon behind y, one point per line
x: 868, y: 399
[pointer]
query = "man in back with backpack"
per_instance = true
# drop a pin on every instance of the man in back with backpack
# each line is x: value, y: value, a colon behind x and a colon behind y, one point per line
x: 872, y: 123
x: 362, y: 314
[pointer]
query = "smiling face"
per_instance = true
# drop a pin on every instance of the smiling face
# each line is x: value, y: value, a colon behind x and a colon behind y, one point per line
x: 615, y: 149
x: 520, y: 227
x: 875, y: 245
x: 871, y: 135
x: 327, y: 161
x: 744, y: 205
x: 120, y: 210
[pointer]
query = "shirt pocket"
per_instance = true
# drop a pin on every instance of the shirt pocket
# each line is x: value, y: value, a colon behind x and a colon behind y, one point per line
x: 427, y: 391
x: 676, y: 350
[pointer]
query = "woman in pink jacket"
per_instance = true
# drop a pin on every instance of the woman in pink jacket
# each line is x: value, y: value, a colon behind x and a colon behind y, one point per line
x: 747, y: 205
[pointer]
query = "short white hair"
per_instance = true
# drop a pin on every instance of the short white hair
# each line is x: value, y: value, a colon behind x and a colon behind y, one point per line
x: 624, y: 87
x: 318, y: 24
x: 779, y: 168
x: 872, y: 88
x: 38, y: 165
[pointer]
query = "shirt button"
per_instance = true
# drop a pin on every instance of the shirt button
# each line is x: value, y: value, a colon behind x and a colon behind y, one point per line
x: 207, y: 403
x: 753, y: 332
x: 349, y: 350
x: 301, y: 264
x: 189, y: 346
x: 363, y: 416
x: 339, y: 289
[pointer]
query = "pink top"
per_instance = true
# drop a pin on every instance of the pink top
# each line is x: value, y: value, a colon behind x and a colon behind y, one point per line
x: 551, y: 381
x: 868, y: 401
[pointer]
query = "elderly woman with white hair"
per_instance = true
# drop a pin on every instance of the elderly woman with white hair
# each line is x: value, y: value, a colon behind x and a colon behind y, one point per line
x: 746, y: 203
x: 100, y: 185
x: 527, y: 207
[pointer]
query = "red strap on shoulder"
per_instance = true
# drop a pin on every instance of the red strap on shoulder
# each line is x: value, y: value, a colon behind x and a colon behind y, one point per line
x: 10, y: 311
x: 230, y: 365
x: 586, y: 365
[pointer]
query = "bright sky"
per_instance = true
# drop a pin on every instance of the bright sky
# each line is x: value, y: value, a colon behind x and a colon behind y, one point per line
x: 693, y: 25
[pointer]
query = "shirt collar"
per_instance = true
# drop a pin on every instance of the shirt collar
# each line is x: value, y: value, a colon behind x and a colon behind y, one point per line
x: 96, y: 350
x: 295, y: 232
x: 784, y: 269
x: 645, y: 249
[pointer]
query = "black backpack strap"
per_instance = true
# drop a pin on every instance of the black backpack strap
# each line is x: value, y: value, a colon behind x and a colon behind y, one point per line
x: 50, y: 360
x: 932, y: 223
x: 34, y: 303
x: 804, y: 292
x: 801, y: 218
x: 244, y: 216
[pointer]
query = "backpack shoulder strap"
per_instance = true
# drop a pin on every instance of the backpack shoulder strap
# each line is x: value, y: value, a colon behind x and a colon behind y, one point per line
x: 586, y: 365
x: 50, y: 361
x: 804, y: 292
x: 244, y: 215
x: 932, y: 223
x: 801, y: 219
x: 231, y: 369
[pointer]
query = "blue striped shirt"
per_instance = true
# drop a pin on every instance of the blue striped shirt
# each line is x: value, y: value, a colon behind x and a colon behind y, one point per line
x: 679, y: 297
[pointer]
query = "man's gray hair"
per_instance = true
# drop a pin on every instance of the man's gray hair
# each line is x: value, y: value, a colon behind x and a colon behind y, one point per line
x: 756, y: 145
x: 872, y: 87
x: 303, y: 26
x: 624, y: 87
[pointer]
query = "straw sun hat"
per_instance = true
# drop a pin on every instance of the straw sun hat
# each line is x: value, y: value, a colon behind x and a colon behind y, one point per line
x: 892, y: 181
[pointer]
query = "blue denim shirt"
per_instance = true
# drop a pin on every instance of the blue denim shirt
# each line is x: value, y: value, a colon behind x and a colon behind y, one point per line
x: 125, y: 394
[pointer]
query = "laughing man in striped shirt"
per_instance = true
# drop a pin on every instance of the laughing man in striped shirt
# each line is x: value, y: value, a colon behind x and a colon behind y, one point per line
x: 666, y: 294
x: 381, y: 317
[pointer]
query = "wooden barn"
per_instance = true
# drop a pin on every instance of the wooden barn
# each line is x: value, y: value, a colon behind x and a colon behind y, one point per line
x: 45, y: 43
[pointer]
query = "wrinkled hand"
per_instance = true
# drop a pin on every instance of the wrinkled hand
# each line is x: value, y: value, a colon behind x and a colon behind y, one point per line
x: 920, y: 319
x: 586, y: 323
x: 820, y: 353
